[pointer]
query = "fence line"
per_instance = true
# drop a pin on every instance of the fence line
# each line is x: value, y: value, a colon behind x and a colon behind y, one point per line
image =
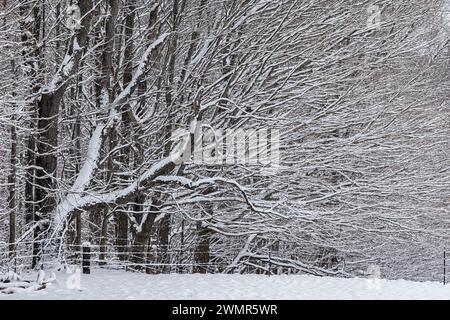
x: 153, y: 259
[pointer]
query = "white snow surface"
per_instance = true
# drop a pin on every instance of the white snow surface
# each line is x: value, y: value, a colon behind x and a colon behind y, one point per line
x: 107, y: 284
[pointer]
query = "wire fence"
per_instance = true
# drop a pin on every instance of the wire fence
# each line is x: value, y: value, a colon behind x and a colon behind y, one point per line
x: 127, y: 257
x: 187, y: 259
x: 151, y: 259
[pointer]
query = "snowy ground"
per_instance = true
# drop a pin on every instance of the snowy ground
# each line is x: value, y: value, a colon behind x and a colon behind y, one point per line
x: 124, y: 285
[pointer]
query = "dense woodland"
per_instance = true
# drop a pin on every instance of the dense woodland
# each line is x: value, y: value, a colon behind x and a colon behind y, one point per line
x: 91, y: 92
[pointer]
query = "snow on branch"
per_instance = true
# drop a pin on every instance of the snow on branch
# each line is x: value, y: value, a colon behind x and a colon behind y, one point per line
x: 74, y: 200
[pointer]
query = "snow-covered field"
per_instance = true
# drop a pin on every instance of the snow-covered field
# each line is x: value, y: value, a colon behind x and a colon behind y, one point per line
x: 121, y: 285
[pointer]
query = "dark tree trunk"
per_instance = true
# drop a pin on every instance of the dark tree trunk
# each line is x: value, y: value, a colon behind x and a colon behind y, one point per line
x: 46, y: 165
x: 202, y: 251
x: 103, y: 238
x: 31, y: 54
x: 48, y: 106
x: 164, y: 238
x: 122, y: 215
x: 202, y: 255
x: 142, y: 237
x: 77, y: 137
x: 12, y: 191
x: 30, y: 181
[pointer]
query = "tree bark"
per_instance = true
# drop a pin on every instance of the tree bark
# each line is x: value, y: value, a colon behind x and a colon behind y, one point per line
x: 142, y: 236
x: 12, y: 191
x: 48, y: 106
x: 202, y: 251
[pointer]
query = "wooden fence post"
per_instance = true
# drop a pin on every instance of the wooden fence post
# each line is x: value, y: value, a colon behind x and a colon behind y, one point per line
x: 445, y: 269
x: 270, y: 262
x: 86, y: 258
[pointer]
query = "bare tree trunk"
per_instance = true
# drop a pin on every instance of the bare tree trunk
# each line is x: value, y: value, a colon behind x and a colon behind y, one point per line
x: 75, y: 154
x: 164, y: 224
x: 103, y: 237
x: 46, y: 163
x: 31, y: 54
x: 122, y: 215
x: 48, y: 106
x: 12, y: 191
x: 105, y: 90
x: 77, y: 138
x: 202, y: 251
x: 30, y: 181
x: 142, y: 236
x: 164, y: 238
